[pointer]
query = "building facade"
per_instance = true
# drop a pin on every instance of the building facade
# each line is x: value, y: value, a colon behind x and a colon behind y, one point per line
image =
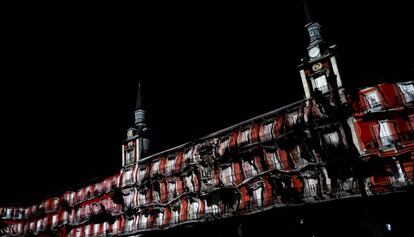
x: 320, y: 149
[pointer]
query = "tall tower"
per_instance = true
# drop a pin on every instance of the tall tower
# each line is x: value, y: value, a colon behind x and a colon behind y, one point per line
x: 137, y: 143
x: 319, y: 69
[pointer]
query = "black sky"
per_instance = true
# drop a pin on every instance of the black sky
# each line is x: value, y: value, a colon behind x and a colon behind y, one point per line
x: 69, y: 76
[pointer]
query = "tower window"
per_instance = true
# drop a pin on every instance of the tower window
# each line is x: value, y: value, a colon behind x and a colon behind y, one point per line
x: 407, y: 90
x: 130, y: 154
x: 130, y: 157
x: 332, y: 138
x: 321, y: 84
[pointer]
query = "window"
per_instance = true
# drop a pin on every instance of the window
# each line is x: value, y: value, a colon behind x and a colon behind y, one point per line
x: 170, y: 165
x: 311, y: 187
x: 296, y: 156
x: 189, y: 156
x: 266, y: 131
x: 223, y: 146
x: 321, y: 84
x: 54, y: 220
x: 142, y: 198
x: 212, y: 208
x: 272, y: 160
x: 87, y: 230
x: 293, y: 118
x: 373, y: 101
x: 332, y: 138
x: 155, y: 167
x: 411, y: 120
x: 9, y: 213
x: 248, y: 168
x: 244, y: 137
x: 39, y: 225
x: 175, y: 216
x: 227, y: 175
x: 142, y: 173
x: 160, y: 218
x: 130, y: 156
x: 194, y: 209
x: 130, y: 225
x: 189, y: 183
x: 408, y: 91
x: 128, y: 200
x: 127, y: 178
x: 399, y: 176
x: 385, y: 133
x: 257, y: 194
x: 171, y: 189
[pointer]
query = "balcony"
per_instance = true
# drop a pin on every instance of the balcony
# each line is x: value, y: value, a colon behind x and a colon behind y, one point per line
x: 323, y: 90
x: 401, y: 100
x: 397, y: 142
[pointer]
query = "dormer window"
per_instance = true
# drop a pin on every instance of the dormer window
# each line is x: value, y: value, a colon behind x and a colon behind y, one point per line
x: 407, y: 89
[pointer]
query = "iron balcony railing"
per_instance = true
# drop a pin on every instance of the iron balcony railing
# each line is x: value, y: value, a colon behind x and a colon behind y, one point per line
x: 403, y: 99
x: 323, y: 89
x: 396, y: 141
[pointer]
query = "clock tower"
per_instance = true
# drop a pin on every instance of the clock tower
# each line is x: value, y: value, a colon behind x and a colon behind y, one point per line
x: 137, y: 143
x: 319, y: 70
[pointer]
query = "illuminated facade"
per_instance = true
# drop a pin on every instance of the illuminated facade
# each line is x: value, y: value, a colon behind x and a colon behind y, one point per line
x: 322, y: 148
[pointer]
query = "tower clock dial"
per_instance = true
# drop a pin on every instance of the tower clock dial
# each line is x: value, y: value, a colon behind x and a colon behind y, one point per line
x: 314, y: 52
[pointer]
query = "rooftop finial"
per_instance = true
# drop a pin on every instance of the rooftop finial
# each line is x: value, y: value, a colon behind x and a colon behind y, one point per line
x: 139, y: 98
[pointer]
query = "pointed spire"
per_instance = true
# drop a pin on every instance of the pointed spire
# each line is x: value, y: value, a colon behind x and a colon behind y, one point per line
x: 313, y: 27
x: 139, y: 134
x: 139, y: 109
x: 308, y: 18
x: 139, y: 98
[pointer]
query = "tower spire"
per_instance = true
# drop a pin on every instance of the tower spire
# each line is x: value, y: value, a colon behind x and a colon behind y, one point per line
x: 139, y: 109
x: 137, y: 144
x: 308, y: 17
x: 139, y: 98
x: 313, y: 27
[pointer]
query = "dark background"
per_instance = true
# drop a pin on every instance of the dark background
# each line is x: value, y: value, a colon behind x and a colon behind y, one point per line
x: 70, y: 74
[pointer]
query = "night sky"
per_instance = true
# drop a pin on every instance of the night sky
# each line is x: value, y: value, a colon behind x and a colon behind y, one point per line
x: 69, y: 77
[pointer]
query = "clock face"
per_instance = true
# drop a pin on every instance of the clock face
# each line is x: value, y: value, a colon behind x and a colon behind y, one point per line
x: 314, y: 52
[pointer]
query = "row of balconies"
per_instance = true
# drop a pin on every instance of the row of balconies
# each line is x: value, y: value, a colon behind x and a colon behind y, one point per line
x: 256, y: 193
x: 397, y: 141
x: 243, y: 166
x: 261, y: 190
x: 384, y: 97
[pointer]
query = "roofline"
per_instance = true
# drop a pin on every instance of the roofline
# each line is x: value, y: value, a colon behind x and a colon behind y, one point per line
x: 222, y: 131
